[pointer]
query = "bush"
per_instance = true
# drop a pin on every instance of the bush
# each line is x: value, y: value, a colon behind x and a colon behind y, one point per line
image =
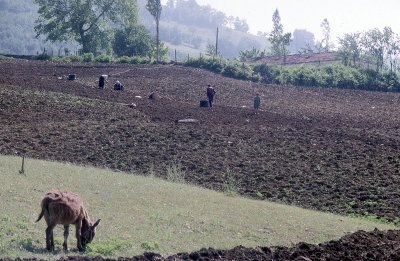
x: 238, y: 71
x: 267, y: 73
x: 216, y: 65
x: 88, y: 57
x: 124, y: 59
x: 75, y: 58
x: 43, y: 57
x: 103, y: 58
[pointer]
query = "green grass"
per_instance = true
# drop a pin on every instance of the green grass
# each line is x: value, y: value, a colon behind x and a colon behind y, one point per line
x: 142, y: 214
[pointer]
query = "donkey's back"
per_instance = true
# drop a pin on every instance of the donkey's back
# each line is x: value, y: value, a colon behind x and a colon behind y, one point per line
x: 62, y: 207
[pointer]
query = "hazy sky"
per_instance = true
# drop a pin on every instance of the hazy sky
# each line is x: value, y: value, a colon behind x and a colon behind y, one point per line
x: 344, y: 16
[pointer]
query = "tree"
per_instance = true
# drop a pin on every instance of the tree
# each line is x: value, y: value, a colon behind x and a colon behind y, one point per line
x: 86, y: 22
x: 326, y: 30
x: 374, y: 43
x: 133, y: 41
x: 276, y: 34
x: 392, y: 42
x: 154, y: 7
x: 247, y: 54
x: 278, y: 39
x: 350, y: 48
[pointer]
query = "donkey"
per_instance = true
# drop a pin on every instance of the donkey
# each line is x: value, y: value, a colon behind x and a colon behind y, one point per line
x: 66, y: 208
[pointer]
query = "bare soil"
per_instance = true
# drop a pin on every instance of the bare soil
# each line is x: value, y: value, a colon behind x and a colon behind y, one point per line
x: 325, y: 149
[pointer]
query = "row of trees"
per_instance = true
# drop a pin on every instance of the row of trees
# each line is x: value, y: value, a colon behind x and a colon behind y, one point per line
x: 94, y: 24
x: 381, y: 46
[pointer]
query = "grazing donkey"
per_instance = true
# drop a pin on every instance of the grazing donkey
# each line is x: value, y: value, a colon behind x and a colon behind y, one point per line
x: 66, y: 208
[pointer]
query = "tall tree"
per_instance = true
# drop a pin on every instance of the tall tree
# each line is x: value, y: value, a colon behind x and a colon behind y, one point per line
x: 326, y: 30
x: 374, y: 43
x: 392, y: 42
x: 154, y: 7
x: 276, y: 34
x: 86, y: 22
x: 278, y: 39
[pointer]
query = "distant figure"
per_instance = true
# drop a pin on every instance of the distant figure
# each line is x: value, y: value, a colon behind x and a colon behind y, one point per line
x: 210, y: 94
x: 102, y: 81
x: 118, y: 86
x: 154, y: 96
x: 257, y: 101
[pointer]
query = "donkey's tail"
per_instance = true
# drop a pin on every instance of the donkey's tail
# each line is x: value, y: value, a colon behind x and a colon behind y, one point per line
x: 40, y: 215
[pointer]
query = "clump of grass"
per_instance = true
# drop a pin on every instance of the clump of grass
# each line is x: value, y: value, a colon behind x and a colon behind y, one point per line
x: 150, y: 246
x: 175, y: 173
x: 108, y: 248
x: 230, y: 185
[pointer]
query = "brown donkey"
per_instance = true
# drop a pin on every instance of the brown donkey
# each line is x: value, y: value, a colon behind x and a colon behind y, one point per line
x: 66, y: 208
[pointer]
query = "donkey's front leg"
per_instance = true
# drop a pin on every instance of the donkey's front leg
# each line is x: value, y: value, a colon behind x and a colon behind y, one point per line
x: 78, y: 227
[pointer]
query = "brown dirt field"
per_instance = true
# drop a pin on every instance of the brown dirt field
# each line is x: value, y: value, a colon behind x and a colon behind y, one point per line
x: 326, y: 149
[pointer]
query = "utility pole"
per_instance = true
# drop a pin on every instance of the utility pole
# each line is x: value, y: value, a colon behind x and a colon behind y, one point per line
x: 216, y: 45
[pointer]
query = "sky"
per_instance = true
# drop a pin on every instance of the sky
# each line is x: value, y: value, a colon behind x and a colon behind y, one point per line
x: 344, y: 16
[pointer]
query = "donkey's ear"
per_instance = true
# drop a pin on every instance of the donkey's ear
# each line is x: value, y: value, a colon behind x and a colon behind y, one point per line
x: 97, y: 222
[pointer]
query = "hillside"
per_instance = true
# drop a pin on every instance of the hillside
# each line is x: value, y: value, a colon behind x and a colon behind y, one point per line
x: 17, y: 36
x: 325, y: 149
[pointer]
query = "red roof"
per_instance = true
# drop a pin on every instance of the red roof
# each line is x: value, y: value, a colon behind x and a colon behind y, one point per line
x: 297, y: 58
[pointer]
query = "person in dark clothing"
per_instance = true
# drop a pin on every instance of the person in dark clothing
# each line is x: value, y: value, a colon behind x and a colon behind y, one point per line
x: 210, y: 94
x: 118, y: 86
x: 102, y: 81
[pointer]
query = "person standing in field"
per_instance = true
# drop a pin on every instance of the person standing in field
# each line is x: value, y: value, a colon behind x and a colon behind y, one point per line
x: 210, y: 94
x: 102, y: 81
x: 257, y: 101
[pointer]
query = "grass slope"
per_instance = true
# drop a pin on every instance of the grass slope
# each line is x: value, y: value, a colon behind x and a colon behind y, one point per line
x: 147, y: 214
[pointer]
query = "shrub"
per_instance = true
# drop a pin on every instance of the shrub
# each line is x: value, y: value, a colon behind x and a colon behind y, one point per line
x: 216, y: 65
x: 75, y: 58
x: 124, y: 59
x: 103, y: 58
x: 150, y: 246
x: 175, y: 173
x: 107, y: 249
x: 88, y: 57
x: 43, y: 57
x: 238, y: 71
x: 268, y: 73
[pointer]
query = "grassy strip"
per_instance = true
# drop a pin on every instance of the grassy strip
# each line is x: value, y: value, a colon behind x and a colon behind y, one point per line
x: 147, y: 214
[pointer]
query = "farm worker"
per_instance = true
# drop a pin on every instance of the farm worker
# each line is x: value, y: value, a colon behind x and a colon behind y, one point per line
x: 210, y: 94
x: 102, y: 80
x: 257, y: 101
x: 118, y: 86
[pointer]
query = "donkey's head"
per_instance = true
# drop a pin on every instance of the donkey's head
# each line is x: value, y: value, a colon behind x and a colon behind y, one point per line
x: 88, y: 232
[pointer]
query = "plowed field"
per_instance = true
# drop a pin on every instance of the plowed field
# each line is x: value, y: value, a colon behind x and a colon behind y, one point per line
x: 326, y: 149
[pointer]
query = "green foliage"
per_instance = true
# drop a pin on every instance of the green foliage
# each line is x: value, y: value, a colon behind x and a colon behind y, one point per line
x: 22, y: 242
x: 252, y: 53
x: 134, y: 40
x: 150, y: 246
x: 238, y: 71
x: 216, y: 65
x: 75, y: 58
x: 87, y: 22
x: 230, y: 185
x: 88, y: 57
x: 107, y: 249
x: 103, y: 58
x: 175, y: 173
x: 268, y: 73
